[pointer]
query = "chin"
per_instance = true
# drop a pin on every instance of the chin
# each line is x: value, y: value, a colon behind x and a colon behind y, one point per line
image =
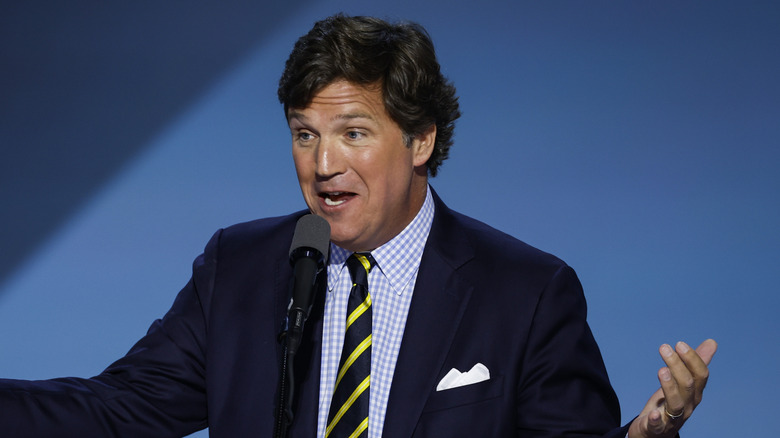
x: 345, y: 242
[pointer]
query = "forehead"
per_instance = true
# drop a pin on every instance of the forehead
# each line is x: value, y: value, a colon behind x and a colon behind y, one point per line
x: 344, y: 99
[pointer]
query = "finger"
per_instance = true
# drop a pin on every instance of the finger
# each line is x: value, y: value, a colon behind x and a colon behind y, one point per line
x: 696, y: 367
x: 648, y: 424
x: 676, y: 380
x: 656, y: 422
x: 681, y: 373
x: 706, y: 350
x: 674, y: 399
x: 691, y: 357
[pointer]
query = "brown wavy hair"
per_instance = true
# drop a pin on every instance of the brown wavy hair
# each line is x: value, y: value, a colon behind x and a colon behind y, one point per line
x: 365, y: 51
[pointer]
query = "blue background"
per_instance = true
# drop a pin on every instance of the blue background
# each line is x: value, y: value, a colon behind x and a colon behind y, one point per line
x: 636, y: 140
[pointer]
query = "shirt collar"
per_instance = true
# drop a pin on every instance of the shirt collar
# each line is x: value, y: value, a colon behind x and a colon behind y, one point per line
x: 399, y: 258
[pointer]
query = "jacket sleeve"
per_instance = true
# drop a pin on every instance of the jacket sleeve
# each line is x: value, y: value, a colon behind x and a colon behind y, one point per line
x: 564, y: 387
x: 156, y: 390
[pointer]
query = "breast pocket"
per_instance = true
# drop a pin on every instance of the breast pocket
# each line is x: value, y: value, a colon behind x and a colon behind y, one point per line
x: 468, y: 411
x: 465, y: 395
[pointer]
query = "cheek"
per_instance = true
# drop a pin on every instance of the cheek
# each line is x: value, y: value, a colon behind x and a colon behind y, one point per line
x: 394, y: 173
x: 301, y: 166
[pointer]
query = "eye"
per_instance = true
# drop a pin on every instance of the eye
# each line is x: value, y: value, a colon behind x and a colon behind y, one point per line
x: 304, y: 136
x: 355, y: 135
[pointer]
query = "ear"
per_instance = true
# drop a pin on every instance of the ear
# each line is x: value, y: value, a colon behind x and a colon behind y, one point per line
x: 422, y: 146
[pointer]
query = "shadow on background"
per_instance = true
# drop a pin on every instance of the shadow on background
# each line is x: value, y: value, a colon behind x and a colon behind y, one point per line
x: 84, y: 89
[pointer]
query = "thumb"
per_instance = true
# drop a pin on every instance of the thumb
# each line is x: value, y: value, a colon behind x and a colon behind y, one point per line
x: 706, y: 350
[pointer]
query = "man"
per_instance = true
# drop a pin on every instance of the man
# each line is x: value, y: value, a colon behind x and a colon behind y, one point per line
x: 371, y: 118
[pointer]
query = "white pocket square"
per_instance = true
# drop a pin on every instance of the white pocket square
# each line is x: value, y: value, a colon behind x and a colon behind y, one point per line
x: 453, y: 379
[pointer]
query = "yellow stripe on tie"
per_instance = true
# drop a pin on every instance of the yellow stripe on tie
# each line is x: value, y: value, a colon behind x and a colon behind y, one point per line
x: 364, y: 261
x: 359, y: 310
x: 352, y: 358
x: 345, y: 407
x: 361, y: 427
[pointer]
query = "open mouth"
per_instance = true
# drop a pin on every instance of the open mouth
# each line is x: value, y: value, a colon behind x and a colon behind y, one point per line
x: 335, y: 198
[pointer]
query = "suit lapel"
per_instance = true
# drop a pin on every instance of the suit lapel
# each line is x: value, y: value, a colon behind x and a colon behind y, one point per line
x: 440, y: 298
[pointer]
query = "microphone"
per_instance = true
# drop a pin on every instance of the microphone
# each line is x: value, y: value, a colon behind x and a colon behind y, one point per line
x: 308, y: 256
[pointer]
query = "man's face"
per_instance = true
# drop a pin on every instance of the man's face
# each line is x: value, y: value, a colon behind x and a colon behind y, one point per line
x: 353, y: 165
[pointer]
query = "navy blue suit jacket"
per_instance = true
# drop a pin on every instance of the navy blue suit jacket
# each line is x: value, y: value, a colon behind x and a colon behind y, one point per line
x: 213, y: 359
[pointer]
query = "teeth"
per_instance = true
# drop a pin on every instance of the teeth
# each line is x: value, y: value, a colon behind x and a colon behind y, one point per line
x: 329, y: 201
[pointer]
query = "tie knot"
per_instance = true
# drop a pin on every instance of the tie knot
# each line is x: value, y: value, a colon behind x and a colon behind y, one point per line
x: 359, y: 265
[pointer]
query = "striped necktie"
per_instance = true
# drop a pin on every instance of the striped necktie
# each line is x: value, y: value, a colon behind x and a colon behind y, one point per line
x: 348, y: 415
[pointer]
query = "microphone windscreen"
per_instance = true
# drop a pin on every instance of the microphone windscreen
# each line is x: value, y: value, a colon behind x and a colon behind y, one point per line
x: 312, y: 231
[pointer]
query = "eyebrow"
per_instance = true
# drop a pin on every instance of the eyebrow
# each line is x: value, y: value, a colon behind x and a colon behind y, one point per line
x: 350, y: 116
x: 292, y: 114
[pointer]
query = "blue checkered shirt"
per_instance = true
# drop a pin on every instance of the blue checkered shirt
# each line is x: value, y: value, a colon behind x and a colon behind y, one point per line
x: 390, y: 284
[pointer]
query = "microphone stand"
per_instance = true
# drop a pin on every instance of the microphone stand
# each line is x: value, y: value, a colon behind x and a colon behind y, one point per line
x: 284, y: 412
x: 305, y: 267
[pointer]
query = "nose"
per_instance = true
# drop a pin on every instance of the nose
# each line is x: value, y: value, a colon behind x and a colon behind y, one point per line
x: 328, y: 159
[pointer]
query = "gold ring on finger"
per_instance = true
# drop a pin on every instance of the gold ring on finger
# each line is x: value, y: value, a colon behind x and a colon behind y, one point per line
x: 673, y: 417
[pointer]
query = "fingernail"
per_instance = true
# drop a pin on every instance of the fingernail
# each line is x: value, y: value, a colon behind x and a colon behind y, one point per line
x: 682, y: 347
x: 666, y: 350
x: 666, y: 374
